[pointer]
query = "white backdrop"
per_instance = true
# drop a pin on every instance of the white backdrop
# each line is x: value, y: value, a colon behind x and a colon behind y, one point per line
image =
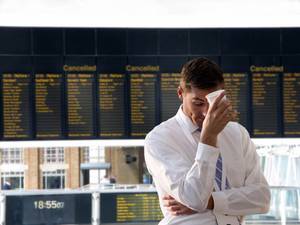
x: 150, y: 13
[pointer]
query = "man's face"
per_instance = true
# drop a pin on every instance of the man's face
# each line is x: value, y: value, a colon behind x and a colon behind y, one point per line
x: 194, y: 103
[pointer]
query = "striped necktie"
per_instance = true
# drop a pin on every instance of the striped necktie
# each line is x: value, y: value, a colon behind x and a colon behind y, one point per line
x: 219, y: 168
x: 219, y: 172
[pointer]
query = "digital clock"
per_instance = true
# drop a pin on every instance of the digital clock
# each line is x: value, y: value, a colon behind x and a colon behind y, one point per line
x: 48, y: 204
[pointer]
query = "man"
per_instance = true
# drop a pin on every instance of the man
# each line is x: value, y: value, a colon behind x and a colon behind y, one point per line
x: 204, y: 166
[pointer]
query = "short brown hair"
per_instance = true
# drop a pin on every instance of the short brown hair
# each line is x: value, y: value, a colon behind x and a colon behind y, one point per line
x: 201, y: 73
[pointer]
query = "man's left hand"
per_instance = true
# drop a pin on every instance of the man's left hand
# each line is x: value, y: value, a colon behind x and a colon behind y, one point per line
x: 176, y: 208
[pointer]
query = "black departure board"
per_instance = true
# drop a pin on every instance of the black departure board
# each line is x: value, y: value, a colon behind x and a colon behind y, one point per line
x: 16, y: 105
x: 237, y: 91
x: 48, y: 105
x: 48, y: 209
x: 111, y: 105
x: 169, y: 100
x: 291, y: 104
x: 143, y: 82
x: 142, y: 103
x: 266, y: 101
x: 129, y: 207
x: 291, y: 96
x: 80, y: 104
x: 116, y: 83
x: 170, y: 68
x: 237, y: 86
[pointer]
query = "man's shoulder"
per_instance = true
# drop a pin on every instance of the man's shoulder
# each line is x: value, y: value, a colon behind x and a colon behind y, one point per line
x: 163, y: 130
x: 233, y: 125
x: 235, y: 130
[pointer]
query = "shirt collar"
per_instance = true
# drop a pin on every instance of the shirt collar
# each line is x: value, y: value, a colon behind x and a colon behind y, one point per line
x: 188, y: 124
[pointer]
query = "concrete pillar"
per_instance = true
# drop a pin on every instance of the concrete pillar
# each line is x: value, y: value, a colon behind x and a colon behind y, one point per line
x: 32, y: 174
x: 125, y: 164
x: 72, y: 159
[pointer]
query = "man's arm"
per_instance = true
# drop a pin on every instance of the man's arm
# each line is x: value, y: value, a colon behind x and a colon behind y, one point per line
x: 254, y: 196
x: 189, y: 185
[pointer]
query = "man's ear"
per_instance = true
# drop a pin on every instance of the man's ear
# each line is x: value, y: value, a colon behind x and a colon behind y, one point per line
x: 180, y: 92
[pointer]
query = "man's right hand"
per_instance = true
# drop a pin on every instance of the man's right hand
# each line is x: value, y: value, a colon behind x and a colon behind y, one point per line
x: 176, y: 208
x: 218, y: 115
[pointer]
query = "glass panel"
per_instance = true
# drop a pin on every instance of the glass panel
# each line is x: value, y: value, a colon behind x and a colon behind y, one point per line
x: 284, y: 208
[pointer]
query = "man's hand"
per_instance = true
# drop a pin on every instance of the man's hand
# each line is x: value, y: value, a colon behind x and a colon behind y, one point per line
x: 217, y: 117
x: 176, y: 208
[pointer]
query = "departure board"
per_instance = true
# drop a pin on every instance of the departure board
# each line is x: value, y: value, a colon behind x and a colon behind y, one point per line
x: 143, y: 94
x: 291, y: 104
x: 16, y: 105
x: 129, y: 207
x: 48, y: 105
x: 142, y: 103
x: 116, y: 83
x: 291, y: 96
x: 170, y: 103
x: 112, y: 105
x: 48, y: 209
x: 80, y: 104
x: 237, y: 91
x: 237, y: 86
x: 170, y: 68
x: 265, y: 101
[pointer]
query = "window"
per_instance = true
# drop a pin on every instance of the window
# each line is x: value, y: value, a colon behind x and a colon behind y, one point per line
x: 54, y: 179
x: 12, y: 175
x: 54, y: 155
x: 12, y: 180
x: 12, y: 156
x: 86, y: 154
x: 53, y: 174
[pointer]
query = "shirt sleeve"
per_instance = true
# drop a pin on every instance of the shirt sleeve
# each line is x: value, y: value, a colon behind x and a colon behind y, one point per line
x: 190, y: 183
x: 254, y: 196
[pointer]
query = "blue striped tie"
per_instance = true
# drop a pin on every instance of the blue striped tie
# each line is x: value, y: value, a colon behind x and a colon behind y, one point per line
x: 218, y: 176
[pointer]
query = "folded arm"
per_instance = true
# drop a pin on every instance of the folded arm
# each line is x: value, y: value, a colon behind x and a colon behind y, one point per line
x: 191, y: 186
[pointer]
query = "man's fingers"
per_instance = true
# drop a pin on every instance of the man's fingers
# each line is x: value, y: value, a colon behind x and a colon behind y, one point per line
x: 177, y: 211
x: 168, y: 203
x: 174, y: 208
x: 223, y: 108
x: 183, y: 211
x: 168, y: 197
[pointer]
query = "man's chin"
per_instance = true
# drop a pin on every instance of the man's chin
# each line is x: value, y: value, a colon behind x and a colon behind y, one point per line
x: 198, y: 123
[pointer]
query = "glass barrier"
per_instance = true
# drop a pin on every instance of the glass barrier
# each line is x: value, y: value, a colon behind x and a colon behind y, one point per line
x: 284, y: 208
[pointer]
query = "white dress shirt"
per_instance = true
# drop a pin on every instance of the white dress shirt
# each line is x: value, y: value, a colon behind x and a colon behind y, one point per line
x: 184, y: 168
